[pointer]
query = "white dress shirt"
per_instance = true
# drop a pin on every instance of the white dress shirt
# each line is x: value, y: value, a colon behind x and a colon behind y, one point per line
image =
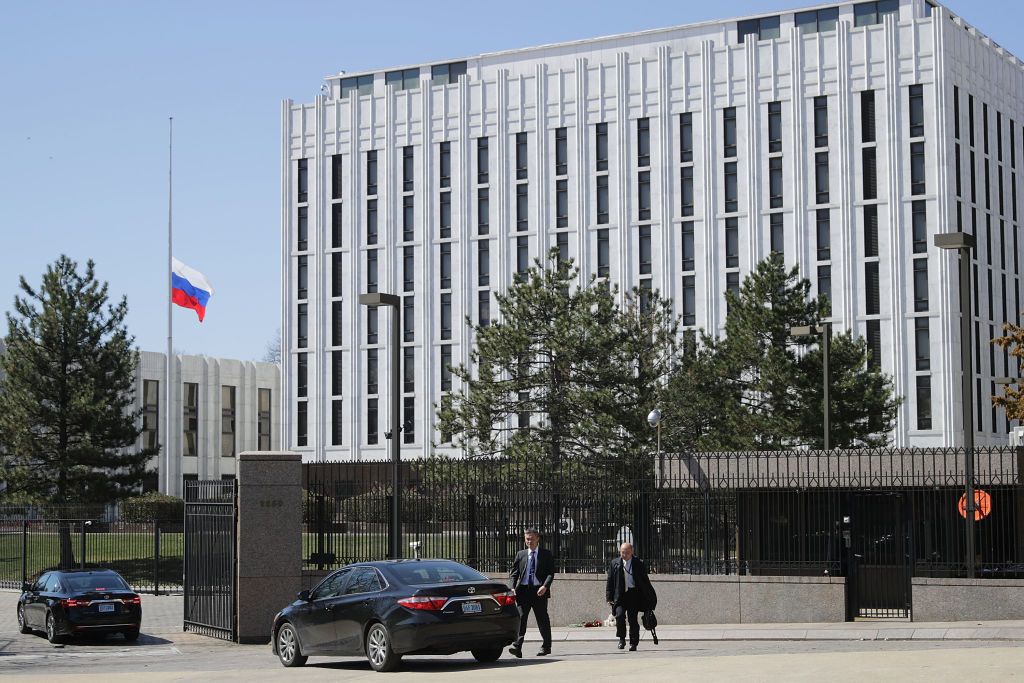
x: 627, y: 567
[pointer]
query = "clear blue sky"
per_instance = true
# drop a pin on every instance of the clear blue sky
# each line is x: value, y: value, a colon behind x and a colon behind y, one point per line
x: 86, y: 89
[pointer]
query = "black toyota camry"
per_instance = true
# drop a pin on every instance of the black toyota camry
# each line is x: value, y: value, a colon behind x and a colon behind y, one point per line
x: 388, y: 609
x: 68, y: 603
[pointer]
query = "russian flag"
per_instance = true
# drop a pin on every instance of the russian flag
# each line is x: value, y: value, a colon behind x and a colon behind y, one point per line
x: 189, y: 288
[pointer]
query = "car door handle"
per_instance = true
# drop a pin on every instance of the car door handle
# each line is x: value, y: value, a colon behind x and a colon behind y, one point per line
x: 329, y: 608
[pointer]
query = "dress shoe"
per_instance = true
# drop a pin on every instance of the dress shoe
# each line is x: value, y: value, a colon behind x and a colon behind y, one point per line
x: 632, y: 648
x: 544, y: 651
x: 622, y: 643
x: 515, y: 652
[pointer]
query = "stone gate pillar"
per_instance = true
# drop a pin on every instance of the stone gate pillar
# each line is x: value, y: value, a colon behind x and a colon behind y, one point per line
x: 269, y: 573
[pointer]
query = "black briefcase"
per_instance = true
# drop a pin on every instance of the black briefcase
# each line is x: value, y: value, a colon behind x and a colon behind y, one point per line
x: 650, y: 623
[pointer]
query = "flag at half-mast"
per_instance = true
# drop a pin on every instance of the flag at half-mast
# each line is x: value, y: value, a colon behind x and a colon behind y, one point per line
x: 189, y: 288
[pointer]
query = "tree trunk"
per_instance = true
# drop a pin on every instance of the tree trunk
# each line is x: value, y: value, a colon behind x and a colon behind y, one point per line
x: 67, y: 551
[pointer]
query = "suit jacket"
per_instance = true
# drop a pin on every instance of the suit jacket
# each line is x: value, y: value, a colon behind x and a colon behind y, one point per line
x: 615, y: 586
x: 544, y: 571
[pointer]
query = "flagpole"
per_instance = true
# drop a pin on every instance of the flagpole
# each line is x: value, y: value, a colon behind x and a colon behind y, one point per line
x: 170, y: 347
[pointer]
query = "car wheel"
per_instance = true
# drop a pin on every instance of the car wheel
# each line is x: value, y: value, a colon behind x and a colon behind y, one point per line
x: 132, y: 635
x: 22, y: 624
x: 51, y: 630
x: 485, y: 655
x: 288, y: 646
x: 378, y: 649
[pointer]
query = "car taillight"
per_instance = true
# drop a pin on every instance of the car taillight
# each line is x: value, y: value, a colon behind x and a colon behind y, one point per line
x: 72, y: 602
x: 423, y: 602
x: 133, y: 600
x: 506, y: 599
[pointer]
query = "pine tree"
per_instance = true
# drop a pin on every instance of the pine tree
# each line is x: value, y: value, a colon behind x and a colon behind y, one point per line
x: 1012, y: 401
x: 68, y: 426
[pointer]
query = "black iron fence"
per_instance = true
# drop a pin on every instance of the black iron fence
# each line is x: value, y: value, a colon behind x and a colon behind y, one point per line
x: 210, y: 558
x: 782, y: 513
x: 35, y: 539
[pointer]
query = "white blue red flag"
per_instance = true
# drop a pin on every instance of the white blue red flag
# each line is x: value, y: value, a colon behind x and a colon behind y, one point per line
x: 189, y: 288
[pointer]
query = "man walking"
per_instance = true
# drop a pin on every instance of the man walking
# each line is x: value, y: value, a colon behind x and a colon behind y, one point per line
x: 533, y: 570
x: 629, y: 591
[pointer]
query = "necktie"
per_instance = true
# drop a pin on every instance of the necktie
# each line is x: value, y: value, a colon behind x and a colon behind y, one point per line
x: 530, y: 570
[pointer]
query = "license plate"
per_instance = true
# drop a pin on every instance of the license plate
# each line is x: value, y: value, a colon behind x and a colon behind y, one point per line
x: 107, y: 607
x: 471, y: 608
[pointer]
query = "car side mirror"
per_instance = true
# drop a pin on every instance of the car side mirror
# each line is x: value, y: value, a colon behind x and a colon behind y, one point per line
x: 304, y: 596
x: 26, y: 587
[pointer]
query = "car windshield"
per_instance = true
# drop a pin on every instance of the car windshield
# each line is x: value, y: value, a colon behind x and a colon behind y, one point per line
x: 416, y: 573
x: 93, y: 582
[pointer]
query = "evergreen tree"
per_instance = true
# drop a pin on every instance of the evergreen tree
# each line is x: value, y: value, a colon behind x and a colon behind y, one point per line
x: 1012, y: 401
x: 68, y: 427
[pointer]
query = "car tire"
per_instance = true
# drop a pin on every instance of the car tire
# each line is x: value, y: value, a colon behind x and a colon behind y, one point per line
x: 486, y: 655
x: 22, y: 624
x: 378, y: 649
x: 51, y: 630
x: 131, y: 636
x: 288, y: 646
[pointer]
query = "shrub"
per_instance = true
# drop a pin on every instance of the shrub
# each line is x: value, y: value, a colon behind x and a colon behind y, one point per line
x: 151, y: 507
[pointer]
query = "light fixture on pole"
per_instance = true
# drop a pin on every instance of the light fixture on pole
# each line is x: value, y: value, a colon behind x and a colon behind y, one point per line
x: 825, y: 330
x: 395, y: 303
x: 963, y: 243
x: 654, y: 419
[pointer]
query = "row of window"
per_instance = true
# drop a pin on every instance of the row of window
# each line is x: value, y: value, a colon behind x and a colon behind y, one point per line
x: 403, y: 79
x: 817, y: 21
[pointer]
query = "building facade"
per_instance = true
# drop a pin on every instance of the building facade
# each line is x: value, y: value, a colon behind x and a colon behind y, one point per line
x: 843, y: 136
x: 220, y: 408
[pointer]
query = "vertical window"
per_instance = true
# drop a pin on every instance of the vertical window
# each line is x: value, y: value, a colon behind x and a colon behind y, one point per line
x: 922, y: 344
x: 821, y: 177
x: 445, y: 164
x: 686, y: 190
x: 303, y: 180
x: 643, y: 143
x: 301, y: 375
x: 336, y: 176
x: 956, y: 112
x: 409, y: 420
x: 821, y: 121
x: 868, y: 13
x: 561, y: 151
x: 867, y: 116
x: 777, y: 235
x: 408, y: 318
x: 871, y: 230
x: 689, y: 301
x: 917, y: 168
x: 302, y: 326
x: 446, y: 316
x: 371, y: 421
x: 446, y: 215
x: 337, y: 422
x: 190, y: 417
x: 824, y: 234
x: 562, y: 242
x: 919, y: 219
x: 371, y: 270
x: 522, y: 207
x: 337, y: 323
x: 645, y: 249
x: 337, y: 372
x: 337, y: 225
x: 483, y: 211
x: 302, y: 276
x: 870, y: 169
x: 482, y: 162
x: 688, y: 247
x: 872, y: 287
x: 371, y: 371
x: 372, y: 316
x: 408, y: 218
x: 371, y: 172
x: 602, y: 146
x: 774, y: 127
x: 150, y: 414
x: 408, y: 269
x: 602, y: 199
x: 446, y: 367
x: 371, y: 221
x: 731, y: 190
x: 603, y: 255
x: 775, y: 182
x: 408, y: 169
x: 924, y: 402
x: 874, y: 339
x: 301, y: 423
x: 227, y: 421
x: 522, y: 256
x: 521, y: 156
x: 685, y: 138
x: 916, y: 111
x: 264, y: 420
x: 644, y: 195
x: 562, y: 203
x: 732, y: 243
x: 302, y: 229
x: 337, y: 274
x: 483, y: 308
x: 825, y: 282
x: 446, y: 265
x: 732, y: 285
x: 409, y: 369
x: 483, y: 263
x: 729, y: 132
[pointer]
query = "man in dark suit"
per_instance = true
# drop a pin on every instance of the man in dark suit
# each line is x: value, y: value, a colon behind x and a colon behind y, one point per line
x: 629, y: 592
x: 533, y: 570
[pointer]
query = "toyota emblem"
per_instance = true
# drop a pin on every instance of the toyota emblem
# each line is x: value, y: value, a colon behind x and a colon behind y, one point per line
x: 471, y: 590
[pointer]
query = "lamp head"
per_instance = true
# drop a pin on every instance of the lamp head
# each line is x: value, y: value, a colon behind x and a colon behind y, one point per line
x: 654, y: 417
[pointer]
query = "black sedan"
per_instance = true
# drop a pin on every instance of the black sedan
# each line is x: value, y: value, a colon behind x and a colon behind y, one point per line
x: 77, y: 602
x: 388, y: 609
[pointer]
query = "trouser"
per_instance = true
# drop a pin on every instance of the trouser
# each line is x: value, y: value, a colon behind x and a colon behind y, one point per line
x: 628, y: 607
x: 527, y: 599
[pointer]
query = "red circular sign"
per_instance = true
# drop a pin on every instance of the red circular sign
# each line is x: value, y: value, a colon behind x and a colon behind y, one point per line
x: 982, y: 505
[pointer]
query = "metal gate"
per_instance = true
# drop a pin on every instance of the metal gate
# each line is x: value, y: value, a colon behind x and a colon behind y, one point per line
x: 878, y: 557
x: 210, y: 559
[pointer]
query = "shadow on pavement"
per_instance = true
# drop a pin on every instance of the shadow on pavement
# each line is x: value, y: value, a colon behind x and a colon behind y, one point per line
x: 97, y: 640
x: 435, y: 664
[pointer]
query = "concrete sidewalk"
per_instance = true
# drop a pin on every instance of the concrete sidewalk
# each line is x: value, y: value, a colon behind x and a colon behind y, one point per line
x: 857, y: 630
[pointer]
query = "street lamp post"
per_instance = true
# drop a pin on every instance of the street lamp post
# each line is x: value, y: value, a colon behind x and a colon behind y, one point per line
x: 825, y: 330
x: 654, y: 419
x: 395, y: 303
x: 964, y: 242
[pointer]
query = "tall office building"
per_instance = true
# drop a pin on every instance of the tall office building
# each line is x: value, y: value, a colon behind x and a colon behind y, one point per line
x: 843, y: 136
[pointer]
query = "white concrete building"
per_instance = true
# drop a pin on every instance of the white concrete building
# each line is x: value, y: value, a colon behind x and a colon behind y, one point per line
x: 845, y: 136
x: 220, y: 408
